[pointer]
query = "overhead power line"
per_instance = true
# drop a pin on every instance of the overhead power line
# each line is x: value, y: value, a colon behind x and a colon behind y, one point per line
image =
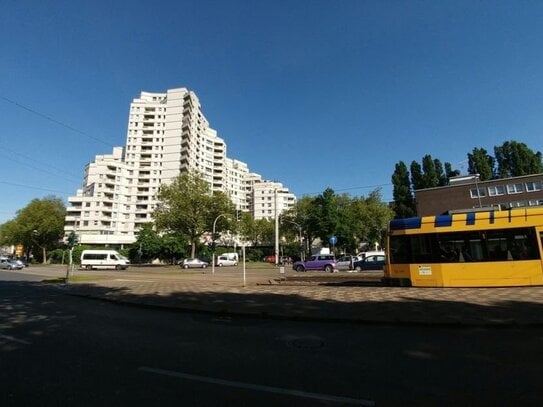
x: 33, y: 187
x: 53, y: 120
x: 350, y: 189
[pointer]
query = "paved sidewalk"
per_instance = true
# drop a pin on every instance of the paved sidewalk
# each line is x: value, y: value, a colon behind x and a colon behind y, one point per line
x: 352, y: 298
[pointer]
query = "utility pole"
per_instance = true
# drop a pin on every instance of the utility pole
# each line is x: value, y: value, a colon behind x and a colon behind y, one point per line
x: 276, y: 229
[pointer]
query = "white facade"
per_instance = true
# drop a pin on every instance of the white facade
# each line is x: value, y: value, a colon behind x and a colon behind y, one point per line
x: 167, y: 134
x: 266, y: 196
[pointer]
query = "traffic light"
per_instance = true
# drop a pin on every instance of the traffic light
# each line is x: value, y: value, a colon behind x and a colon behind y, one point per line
x: 72, y: 239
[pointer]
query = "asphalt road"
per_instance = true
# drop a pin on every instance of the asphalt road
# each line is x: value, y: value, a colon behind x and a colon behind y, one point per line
x: 65, y: 351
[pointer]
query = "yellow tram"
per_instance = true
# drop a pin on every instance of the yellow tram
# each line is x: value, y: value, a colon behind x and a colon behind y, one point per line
x: 476, y: 249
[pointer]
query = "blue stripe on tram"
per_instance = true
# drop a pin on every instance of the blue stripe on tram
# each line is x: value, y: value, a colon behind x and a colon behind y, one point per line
x: 407, y: 223
x: 443, y: 220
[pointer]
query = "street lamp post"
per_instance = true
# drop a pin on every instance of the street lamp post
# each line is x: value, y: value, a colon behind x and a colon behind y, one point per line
x: 477, y: 188
x: 299, y: 236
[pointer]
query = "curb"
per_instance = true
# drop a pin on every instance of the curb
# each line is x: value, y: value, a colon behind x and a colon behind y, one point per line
x: 225, y: 311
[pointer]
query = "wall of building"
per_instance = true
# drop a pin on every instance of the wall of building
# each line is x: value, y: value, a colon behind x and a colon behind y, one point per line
x: 167, y: 134
x: 500, y: 193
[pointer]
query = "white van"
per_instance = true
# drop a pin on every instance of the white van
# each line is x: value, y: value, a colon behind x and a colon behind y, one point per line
x: 227, y: 259
x: 103, y: 259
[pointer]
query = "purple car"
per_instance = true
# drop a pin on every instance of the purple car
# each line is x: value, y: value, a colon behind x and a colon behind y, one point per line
x: 326, y: 262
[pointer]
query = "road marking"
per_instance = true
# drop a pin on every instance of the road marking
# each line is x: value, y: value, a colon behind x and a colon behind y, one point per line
x: 136, y: 281
x: 12, y: 339
x: 258, y: 387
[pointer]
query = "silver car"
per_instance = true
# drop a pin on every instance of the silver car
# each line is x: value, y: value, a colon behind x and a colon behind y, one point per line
x: 346, y: 263
x: 193, y: 263
x: 8, y: 264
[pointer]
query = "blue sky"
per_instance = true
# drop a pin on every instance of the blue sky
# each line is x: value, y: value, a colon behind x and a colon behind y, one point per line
x: 314, y: 94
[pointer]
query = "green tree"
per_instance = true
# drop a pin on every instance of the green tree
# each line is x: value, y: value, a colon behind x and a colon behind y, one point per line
x: 173, y: 247
x: 39, y: 224
x: 450, y: 172
x: 404, y: 204
x: 370, y: 217
x: 186, y: 207
x: 148, y: 244
x: 440, y: 173
x: 304, y: 213
x: 482, y: 163
x: 515, y: 159
x: 417, y: 180
x: 326, y: 207
x: 430, y: 175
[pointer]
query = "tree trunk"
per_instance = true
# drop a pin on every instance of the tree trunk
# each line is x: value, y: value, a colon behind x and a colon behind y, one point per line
x: 193, y: 249
x: 44, y: 252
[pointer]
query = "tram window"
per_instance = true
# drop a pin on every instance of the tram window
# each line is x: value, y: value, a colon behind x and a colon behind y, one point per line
x: 400, y: 249
x: 489, y: 245
x: 422, y: 248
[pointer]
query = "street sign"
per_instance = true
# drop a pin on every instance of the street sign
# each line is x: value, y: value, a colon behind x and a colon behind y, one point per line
x: 333, y: 240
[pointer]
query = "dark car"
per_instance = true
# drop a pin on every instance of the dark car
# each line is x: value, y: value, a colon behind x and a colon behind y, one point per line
x: 326, y: 262
x: 373, y: 262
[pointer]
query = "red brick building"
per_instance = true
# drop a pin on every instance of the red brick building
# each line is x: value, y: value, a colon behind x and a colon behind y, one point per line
x: 468, y: 192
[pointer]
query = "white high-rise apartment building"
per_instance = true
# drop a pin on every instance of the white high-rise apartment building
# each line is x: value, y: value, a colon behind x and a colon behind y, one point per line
x: 167, y: 134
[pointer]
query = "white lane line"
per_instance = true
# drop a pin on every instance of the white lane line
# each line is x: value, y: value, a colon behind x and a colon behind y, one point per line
x: 135, y: 281
x: 12, y: 339
x: 258, y: 387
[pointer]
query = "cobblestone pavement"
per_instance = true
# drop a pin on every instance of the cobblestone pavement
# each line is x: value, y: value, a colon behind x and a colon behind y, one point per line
x: 333, y: 297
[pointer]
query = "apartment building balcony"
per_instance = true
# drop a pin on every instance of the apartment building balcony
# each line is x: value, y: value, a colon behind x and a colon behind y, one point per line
x: 149, y: 109
x: 145, y: 164
x: 146, y: 140
x: 149, y: 117
x: 144, y: 157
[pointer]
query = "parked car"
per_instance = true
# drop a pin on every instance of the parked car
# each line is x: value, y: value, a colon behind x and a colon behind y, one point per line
x: 224, y: 260
x: 193, y: 263
x: 370, y: 253
x: 347, y: 262
x: 9, y: 264
x: 326, y: 262
x: 373, y: 262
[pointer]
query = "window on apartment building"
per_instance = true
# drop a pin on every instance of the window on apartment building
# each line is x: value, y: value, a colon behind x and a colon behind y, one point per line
x: 518, y: 204
x: 496, y: 190
x: 87, y: 204
x: 515, y: 188
x: 535, y: 202
x: 477, y: 192
x: 533, y: 186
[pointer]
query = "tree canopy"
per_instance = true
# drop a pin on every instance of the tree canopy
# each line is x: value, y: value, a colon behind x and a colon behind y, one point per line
x: 511, y: 159
x: 352, y: 220
x: 39, y: 224
x: 187, y: 208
